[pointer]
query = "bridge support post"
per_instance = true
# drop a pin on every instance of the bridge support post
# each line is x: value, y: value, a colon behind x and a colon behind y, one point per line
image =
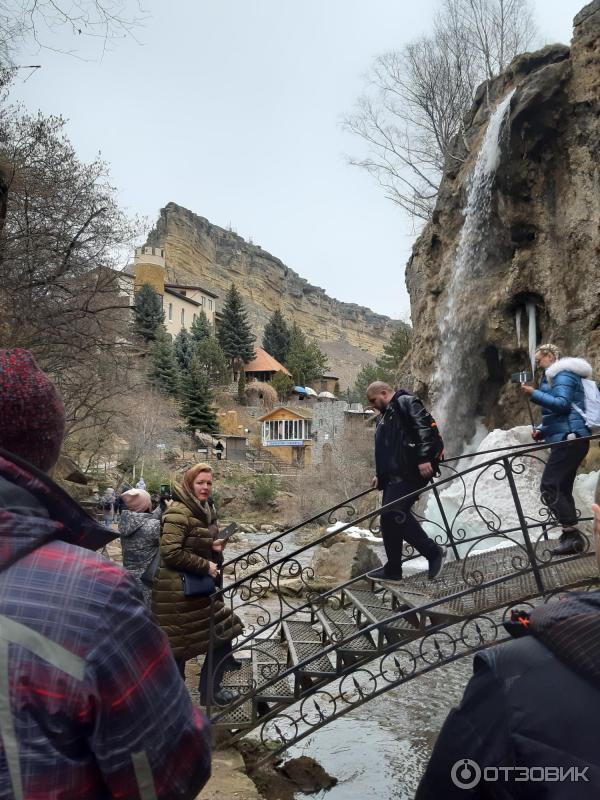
x: 524, y: 527
x: 451, y: 541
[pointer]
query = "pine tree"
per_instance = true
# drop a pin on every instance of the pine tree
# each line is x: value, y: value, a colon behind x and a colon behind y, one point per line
x: 367, y: 375
x: 394, y: 352
x: 276, y: 338
x: 148, y: 313
x: 184, y: 347
x: 211, y: 358
x: 305, y: 359
x: 282, y: 383
x: 164, y: 370
x: 197, y: 401
x: 235, y: 335
x: 200, y: 328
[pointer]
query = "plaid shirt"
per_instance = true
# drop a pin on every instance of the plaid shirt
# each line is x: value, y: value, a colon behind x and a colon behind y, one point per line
x: 91, y: 702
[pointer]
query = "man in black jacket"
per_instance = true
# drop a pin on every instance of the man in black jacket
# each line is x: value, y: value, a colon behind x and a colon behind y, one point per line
x: 407, y: 450
x: 527, y: 726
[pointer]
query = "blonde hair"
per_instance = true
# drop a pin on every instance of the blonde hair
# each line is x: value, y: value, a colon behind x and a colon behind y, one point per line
x: 193, y: 472
x: 548, y: 349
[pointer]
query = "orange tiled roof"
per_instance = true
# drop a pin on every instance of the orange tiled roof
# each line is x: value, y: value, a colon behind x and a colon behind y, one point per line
x: 263, y: 362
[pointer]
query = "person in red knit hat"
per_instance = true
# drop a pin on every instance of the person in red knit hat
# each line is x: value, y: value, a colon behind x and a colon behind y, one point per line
x: 91, y: 702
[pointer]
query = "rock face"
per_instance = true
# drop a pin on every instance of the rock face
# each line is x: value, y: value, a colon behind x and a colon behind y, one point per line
x: 196, y: 250
x: 542, y: 244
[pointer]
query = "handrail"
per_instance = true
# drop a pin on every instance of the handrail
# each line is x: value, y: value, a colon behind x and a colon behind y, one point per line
x: 525, y: 450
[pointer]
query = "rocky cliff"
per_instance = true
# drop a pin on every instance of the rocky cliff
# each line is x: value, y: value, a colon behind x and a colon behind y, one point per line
x: 540, y: 249
x: 198, y: 251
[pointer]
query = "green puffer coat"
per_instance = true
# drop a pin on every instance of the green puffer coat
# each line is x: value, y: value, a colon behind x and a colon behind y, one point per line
x: 186, y: 546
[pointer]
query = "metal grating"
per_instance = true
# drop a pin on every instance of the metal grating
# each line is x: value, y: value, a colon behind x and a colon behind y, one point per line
x: 367, y: 599
x: 240, y: 716
x: 320, y: 664
x: 268, y: 651
x: 338, y: 616
x: 234, y: 678
x: 282, y: 690
x: 302, y: 632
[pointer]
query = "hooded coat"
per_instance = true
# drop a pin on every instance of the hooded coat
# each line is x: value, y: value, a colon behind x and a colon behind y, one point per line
x: 532, y: 702
x: 140, y: 539
x: 560, y: 388
x: 189, y: 528
x: 83, y: 668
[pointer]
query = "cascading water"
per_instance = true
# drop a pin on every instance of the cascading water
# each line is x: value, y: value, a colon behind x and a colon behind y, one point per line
x: 518, y: 314
x: 532, y: 333
x: 456, y: 379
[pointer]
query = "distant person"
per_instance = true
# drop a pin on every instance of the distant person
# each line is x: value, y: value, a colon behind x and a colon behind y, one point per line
x: 532, y: 703
x: 92, y: 704
x: 141, y: 484
x: 139, y: 529
x: 107, y: 506
x: 560, y: 389
x: 190, y: 544
x: 407, y: 452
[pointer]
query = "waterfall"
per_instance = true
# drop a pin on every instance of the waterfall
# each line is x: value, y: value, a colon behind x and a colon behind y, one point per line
x: 532, y: 334
x: 459, y: 365
x: 518, y: 313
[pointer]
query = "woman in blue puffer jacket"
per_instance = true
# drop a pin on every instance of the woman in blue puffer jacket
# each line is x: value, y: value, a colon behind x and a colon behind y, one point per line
x: 560, y: 390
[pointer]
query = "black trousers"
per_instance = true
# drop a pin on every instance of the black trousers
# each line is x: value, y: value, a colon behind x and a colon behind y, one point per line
x: 558, y: 479
x: 399, y: 525
x: 220, y: 653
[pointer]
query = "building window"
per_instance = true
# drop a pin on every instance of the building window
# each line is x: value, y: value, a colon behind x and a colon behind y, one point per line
x: 210, y: 304
x: 170, y: 312
x: 183, y: 316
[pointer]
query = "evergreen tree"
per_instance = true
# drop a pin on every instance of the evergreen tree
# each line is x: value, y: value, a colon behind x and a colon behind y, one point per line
x: 148, y: 313
x: 276, y: 338
x: 242, y: 387
x: 235, y: 336
x: 200, y: 328
x: 367, y: 375
x: 197, y: 401
x: 305, y: 359
x: 164, y: 370
x: 394, y: 352
x: 184, y: 347
x: 211, y: 358
x: 283, y: 384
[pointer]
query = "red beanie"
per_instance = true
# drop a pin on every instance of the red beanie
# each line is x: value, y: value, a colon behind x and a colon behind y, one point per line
x: 32, y: 414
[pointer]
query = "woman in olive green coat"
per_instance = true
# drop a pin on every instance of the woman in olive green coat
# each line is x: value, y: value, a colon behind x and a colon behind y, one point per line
x: 190, y: 543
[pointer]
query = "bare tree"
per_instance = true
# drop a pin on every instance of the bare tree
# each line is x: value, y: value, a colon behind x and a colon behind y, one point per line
x: 60, y: 295
x: 39, y: 22
x: 417, y: 97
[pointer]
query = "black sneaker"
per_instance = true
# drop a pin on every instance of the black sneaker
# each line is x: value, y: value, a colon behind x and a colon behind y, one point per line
x: 436, y: 564
x: 223, y: 697
x: 382, y: 575
x: 571, y: 543
x: 233, y: 664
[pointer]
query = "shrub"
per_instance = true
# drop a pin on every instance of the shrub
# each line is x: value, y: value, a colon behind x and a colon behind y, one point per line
x: 264, y: 490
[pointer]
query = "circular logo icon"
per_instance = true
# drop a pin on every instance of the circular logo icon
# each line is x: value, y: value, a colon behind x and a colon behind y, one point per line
x: 465, y: 773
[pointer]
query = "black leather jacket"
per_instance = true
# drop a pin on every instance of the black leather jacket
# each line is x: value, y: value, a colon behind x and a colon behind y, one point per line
x: 406, y: 436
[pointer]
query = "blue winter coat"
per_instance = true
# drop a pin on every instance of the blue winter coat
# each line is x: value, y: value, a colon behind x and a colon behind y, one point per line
x: 561, y: 387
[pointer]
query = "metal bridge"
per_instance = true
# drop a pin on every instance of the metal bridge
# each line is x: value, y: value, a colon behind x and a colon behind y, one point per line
x: 310, y: 659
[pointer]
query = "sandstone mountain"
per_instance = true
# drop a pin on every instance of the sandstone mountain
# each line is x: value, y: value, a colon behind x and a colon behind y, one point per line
x: 541, y: 247
x: 196, y: 250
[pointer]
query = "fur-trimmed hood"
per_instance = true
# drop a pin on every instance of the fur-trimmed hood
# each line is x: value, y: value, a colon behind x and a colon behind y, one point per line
x: 577, y: 365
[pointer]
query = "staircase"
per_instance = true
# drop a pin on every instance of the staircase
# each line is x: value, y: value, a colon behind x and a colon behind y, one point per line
x: 312, y: 643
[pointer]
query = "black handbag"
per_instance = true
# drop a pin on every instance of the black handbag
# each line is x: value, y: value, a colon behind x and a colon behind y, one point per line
x: 197, y: 585
x: 149, y: 573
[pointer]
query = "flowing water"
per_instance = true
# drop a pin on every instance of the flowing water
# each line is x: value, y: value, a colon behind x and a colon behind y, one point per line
x: 458, y: 373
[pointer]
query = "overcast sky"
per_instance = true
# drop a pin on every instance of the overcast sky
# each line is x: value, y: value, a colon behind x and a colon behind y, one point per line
x: 232, y: 108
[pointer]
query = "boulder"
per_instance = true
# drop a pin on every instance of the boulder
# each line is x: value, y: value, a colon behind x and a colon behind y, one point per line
x: 268, y: 528
x: 343, y: 561
x: 67, y: 470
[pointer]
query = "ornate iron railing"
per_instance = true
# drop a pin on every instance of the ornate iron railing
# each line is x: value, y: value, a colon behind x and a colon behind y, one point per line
x: 455, y: 616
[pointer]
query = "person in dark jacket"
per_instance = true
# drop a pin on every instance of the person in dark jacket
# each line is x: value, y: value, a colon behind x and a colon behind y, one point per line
x: 139, y: 529
x: 407, y: 450
x: 91, y: 702
x: 560, y: 390
x: 532, y: 703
